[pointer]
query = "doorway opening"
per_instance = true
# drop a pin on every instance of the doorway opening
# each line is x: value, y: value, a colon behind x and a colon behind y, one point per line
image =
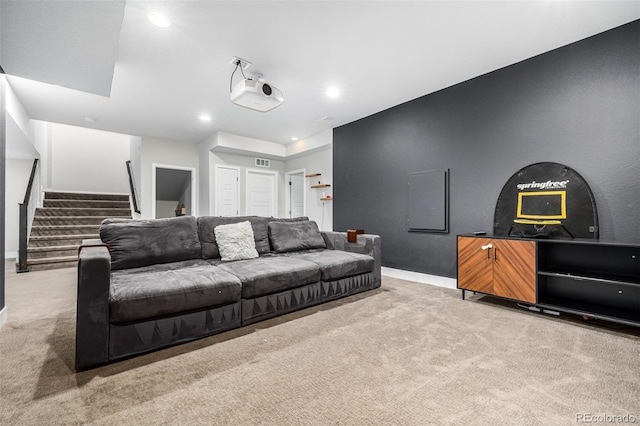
x: 173, y: 190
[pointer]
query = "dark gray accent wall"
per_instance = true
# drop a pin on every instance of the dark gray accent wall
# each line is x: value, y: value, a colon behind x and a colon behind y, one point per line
x: 578, y: 105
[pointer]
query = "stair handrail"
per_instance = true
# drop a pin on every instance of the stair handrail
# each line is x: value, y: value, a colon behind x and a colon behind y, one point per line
x: 132, y: 186
x: 27, y: 213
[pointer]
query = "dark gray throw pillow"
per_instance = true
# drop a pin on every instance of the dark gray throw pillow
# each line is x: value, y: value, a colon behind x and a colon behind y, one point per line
x: 293, y: 236
x: 135, y: 243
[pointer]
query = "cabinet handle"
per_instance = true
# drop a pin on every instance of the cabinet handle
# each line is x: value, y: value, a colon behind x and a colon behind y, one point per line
x: 488, y: 249
x: 495, y: 255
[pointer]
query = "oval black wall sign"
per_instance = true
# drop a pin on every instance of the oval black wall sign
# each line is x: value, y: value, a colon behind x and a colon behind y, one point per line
x: 546, y: 200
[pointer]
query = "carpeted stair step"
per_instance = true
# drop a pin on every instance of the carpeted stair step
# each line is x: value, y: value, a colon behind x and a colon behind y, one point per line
x: 72, y: 220
x: 87, y: 204
x: 52, y: 263
x: 52, y: 251
x: 66, y: 211
x: 66, y: 219
x: 80, y: 196
x: 38, y: 231
x: 59, y: 240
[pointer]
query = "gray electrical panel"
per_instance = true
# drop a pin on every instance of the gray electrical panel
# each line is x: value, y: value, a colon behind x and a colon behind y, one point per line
x: 428, y: 201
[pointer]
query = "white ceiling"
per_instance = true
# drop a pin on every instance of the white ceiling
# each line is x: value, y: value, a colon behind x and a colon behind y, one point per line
x: 71, y: 44
x: 379, y: 54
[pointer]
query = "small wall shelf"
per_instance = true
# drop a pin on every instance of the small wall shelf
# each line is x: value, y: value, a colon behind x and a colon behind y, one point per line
x: 326, y: 199
x: 321, y: 185
x: 310, y: 175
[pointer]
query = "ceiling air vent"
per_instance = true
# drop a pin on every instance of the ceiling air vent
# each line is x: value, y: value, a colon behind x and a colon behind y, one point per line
x: 263, y: 162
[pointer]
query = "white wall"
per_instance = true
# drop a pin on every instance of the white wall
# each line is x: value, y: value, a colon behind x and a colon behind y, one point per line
x: 309, y: 145
x: 41, y: 131
x: 205, y: 172
x: 220, y: 148
x: 242, y: 145
x: 88, y: 160
x: 317, y: 162
x: 17, y: 112
x: 18, y: 132
x: 19, y: 161
x: 315, y: 154
x: 165, y: 152
x: 244, y: 162
x: 18, y: 172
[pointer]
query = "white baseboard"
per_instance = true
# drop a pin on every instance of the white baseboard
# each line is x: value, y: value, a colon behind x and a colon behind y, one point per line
x: 4, y: 314
x: 11, y: 255
x: 436, y: 280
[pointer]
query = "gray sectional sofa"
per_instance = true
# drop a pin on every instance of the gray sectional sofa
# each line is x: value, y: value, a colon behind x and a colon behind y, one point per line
x: 149, y: 284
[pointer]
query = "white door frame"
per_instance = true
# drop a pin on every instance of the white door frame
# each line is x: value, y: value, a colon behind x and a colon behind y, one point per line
x: 215, y: 187
x: 154, y: 168
x: 275, y: 188
x: 287, y: 194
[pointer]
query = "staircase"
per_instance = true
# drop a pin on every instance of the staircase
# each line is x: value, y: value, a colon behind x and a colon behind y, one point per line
x: 64, y: 221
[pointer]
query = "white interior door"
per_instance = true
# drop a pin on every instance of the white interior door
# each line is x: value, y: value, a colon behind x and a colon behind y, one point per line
x: 261, y: 193
x: 227, y: 191
x: 296, y: 195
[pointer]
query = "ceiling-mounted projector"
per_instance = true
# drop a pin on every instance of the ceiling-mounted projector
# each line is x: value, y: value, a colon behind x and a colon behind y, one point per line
x: 256, y: 95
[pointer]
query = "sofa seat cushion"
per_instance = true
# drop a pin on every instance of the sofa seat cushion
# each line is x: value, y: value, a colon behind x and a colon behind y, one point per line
x: 271, y: 274
x: 170, y: 288
x: 336, y: 264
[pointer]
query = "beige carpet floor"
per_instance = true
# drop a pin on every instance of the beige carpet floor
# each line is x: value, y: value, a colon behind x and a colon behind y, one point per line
x: 405, y: 354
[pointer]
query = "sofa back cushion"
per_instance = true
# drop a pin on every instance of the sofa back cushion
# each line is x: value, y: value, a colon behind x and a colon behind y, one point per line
x: 289, y: 219
x: 286, y: 220
x: 134, y: 243
x: 288, y: 236
x: 207, y: 224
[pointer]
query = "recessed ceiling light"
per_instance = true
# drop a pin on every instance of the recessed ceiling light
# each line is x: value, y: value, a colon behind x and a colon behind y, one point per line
x: 294, y: 138
x: 205, y: 117
x: 159, y: 20
x: 333, y: 92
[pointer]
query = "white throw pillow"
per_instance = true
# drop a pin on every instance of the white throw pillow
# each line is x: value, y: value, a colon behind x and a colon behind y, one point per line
x: 235, y: 241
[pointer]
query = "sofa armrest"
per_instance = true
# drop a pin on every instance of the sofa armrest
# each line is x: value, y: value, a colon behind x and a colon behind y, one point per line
x: 92, y: 314
x: 365, y: 244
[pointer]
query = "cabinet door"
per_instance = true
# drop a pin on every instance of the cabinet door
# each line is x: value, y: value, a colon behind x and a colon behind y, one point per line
x: 514, y: 270
x: 475, y: 264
